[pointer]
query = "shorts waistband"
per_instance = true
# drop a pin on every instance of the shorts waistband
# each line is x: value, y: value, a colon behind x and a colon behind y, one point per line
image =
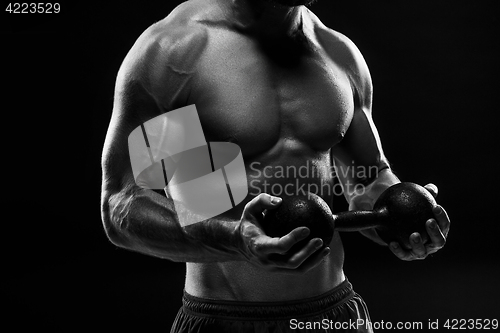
x: 306, y: 307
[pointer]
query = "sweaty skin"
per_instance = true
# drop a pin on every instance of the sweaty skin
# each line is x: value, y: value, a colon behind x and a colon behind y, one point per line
x: 297, y: 98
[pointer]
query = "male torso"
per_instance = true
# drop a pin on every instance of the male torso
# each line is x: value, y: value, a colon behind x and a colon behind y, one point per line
x: 286, y: 103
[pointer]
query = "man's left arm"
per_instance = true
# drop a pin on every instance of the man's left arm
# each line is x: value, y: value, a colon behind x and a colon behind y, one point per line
x: 364, y: 171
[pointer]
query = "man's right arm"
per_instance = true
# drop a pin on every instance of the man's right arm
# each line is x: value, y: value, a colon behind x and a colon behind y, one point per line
x: 150, y: 82
x: 145, y: 221
x: 142, y: 220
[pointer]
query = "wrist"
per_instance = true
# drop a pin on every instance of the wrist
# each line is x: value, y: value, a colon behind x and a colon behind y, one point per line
x: 366, y: 195
x: 241, y: 249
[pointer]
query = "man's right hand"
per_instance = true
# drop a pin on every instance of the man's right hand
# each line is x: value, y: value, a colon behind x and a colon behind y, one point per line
x: 266, y: 252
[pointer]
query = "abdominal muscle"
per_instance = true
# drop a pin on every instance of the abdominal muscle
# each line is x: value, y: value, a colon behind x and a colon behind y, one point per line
x: 243, y: 281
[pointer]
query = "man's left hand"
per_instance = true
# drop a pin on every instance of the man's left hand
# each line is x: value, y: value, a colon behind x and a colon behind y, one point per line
x: 437, y: 228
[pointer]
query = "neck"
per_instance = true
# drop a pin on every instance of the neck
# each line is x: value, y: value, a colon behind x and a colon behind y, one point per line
x: 266, y: 17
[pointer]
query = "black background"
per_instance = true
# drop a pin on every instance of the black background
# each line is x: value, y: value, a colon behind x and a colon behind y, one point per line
x: 434, y: 66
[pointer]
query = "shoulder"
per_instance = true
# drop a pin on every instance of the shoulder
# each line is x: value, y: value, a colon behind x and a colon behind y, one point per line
x: 166, y: 53
x: 177, y: 34
x: 345, y: 54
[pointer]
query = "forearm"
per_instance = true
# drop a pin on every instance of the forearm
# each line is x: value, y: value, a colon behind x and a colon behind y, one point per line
x: 146, y: 222
x: 366, y: 196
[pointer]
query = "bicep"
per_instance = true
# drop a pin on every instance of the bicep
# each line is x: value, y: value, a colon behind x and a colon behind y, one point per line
x: 360, y: 155
x: 360, y: 151
x: 133, y: 106
x: 361, y: 148
x: 359, y: 158
x: 153, y: 79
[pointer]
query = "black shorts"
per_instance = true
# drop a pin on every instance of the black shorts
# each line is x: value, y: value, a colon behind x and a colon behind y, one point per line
x: 339, y: 310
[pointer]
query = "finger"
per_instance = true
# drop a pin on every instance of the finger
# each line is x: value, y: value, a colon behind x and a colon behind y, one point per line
x: 286, y: 242
x: 305, y: 259
x: 282, y: 244
x: 400, y: 252
x: 417, y: 246
x: 437, y: 238
x: 418, y: 250
x: 257, y: 205
x: 314, y: 260
x: 294, y: 260
x: 442, y: 220
x: 432, y: 188
x: 281, y: 265
x: 300, y: 257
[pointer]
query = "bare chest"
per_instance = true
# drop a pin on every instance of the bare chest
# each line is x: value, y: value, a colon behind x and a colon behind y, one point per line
x: 244, y: 96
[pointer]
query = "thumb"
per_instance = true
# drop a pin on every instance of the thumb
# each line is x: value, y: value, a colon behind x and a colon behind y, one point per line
x: 260, y: 203
x: 432, y: 188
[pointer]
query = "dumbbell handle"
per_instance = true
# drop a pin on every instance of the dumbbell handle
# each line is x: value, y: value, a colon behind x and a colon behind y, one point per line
x: 359, y: 220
